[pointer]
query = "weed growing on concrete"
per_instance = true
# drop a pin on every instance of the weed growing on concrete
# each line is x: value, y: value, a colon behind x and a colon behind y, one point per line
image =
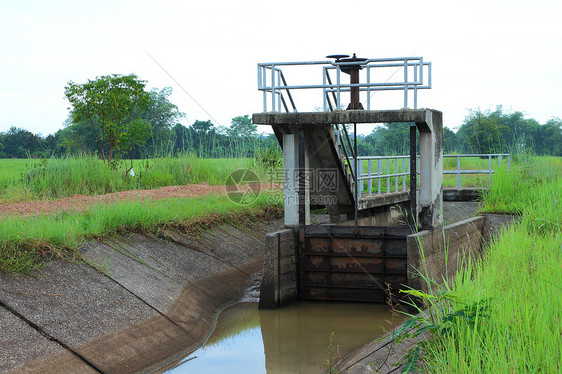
x: 333, y: 351
x: 102, y: 267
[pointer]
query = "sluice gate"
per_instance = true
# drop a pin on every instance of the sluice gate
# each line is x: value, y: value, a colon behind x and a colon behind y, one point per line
x: 364, y: 261
x: 345, y: 263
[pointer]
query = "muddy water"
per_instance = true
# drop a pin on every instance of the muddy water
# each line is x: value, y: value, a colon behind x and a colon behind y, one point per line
x: 292, y: 339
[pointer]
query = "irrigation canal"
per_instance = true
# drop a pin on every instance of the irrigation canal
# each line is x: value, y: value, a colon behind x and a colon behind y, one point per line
x: 293, y: 339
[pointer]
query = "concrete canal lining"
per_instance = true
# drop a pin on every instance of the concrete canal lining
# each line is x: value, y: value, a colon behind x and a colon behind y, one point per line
x: 152, y: 300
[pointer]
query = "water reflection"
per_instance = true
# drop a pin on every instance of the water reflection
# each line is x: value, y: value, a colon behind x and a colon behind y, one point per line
x: 293, y: 339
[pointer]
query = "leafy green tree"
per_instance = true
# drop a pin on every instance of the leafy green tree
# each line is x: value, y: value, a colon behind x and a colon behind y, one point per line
x: 20, y: 143
x: 242, y: 126
x: 450, y: 141
x: 386, y: 140
x: 77, y: 137
x: 243, y: 136
x: 182, y: 140
x: 109, y: 104
x: 162, y: 116
x: 202, y: 127
x: 482, y: 132
x: 549, y: 138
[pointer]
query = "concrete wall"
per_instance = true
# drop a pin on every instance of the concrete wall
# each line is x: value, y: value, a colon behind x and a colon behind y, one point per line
x: 444, y: 251
x: 279, y: 282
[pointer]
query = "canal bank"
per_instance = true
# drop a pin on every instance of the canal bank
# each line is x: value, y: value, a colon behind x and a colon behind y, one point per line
x: 384, y: 355
x: 143, y: 300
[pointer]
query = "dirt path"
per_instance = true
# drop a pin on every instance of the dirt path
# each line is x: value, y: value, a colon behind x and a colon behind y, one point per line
x: 81, y: 202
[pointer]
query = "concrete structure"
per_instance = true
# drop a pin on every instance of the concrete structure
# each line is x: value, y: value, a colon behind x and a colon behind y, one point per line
x: 320, y: 153
x: 437, y: 254
x: 296, y: 266
x: 322, y: 169
x: 279, y: 280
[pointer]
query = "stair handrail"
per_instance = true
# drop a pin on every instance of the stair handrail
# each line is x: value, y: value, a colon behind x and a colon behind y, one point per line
x: 288, y: 94
x: 277, y: 89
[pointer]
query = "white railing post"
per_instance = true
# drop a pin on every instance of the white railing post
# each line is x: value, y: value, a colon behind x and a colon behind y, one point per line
x: 359, y: 174
x: 368, y: 88
x: 272, y: 88
x: 387, y: 175
x: 489, y: 170
x: 405, y: 83
x: 404, y: 173
x: 379, y: 167
x: 370, y: 173
x: 458, y: 171
x: 324, y: 92
x: 396, y: 174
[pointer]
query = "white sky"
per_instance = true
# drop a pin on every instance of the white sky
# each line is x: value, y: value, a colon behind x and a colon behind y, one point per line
x: 484, y: 53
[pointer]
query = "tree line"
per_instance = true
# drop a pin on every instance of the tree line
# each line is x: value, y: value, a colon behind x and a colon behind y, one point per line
x: 481, y: 132
x: 115, y: 117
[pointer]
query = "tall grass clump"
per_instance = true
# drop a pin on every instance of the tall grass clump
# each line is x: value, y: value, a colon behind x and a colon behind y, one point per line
x: 521, y: 330
x: 85, y: 175
x: 188, y: 169
x: 88, y: 175
x: 517, y: 190
x: 502, y: 314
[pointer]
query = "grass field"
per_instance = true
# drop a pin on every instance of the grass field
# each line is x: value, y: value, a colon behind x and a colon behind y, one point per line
x: 504, y: 313
x: 30, y: 179
x: 23, y: 180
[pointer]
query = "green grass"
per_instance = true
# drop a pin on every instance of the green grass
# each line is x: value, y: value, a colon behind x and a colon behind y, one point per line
x: 519, y: 190
x: 522, y: 329
x: 11, y: 169
x: 22, y: 180
x: 503, y: 314
x: 25, y: 243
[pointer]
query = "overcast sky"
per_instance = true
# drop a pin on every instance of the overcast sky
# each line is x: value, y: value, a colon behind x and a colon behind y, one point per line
x: 484, y: 53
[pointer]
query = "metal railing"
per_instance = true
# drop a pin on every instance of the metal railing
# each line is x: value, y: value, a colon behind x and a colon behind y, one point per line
x: 489, y: 171
x: 385, y: 174
x: 416, y: 75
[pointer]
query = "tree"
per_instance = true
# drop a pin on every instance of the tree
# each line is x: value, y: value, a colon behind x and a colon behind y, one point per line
x: 162, y: 116
x: 450, y: 142
x: 243, y: 136
x: 242, y: 126
x: 549, y: 139
x: 202, y: 126
x: 78, y: 137
x: 110, y: 104
x: 483, y: 132
x: 20, y: 143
